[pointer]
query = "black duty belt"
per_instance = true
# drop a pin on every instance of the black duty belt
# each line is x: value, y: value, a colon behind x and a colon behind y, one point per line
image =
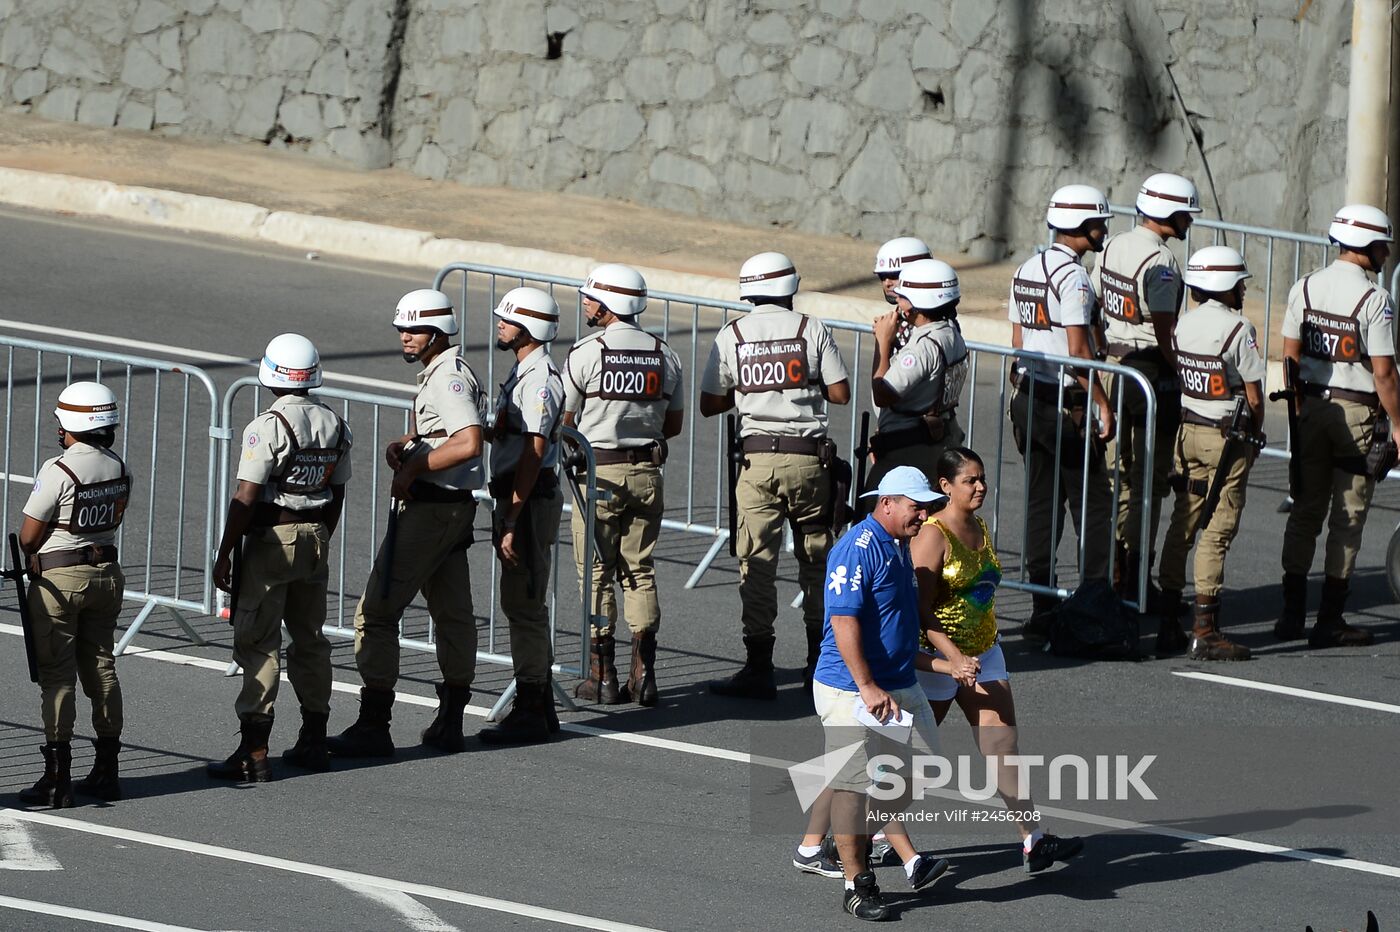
x: 266, y: 514
x: 435, y: 494
x: 1047, y: 394
x: 501, y: 486
x: 653, y: 454
x: 92, y: 555
x: 888, y: 440
x: 798, y: 446
x: 1126, y: 351
x: 1191, y: 417
x: 1327, y: 393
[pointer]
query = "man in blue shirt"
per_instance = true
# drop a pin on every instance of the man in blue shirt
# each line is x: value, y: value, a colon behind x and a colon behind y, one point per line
x: 867, y: 654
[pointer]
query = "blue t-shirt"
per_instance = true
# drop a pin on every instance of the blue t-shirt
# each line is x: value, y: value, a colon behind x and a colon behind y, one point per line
x: 870, y: 576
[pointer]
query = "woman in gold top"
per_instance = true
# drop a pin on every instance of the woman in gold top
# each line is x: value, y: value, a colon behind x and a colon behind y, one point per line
x: 958, y: 573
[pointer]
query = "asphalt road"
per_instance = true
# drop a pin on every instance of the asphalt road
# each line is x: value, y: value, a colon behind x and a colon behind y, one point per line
x: 650, y: 817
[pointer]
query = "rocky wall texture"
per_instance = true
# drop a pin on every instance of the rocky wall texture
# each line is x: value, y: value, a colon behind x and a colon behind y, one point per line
x: 952, y: 119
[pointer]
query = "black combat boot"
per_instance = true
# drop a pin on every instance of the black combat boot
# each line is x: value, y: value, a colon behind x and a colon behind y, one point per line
x: 369, y: 735
x: 641, y: 680
x: 1125, y: 571
x: 755, y: 679
x: 601, y: 685
x: 445, y: 732
x: 1207, y: 643
x: 310, y: 751
x: 814, y: 652
x: 102, y: 781
x: 528, y: 721
x: 1293, y: 620
x: 1331, y: 629
x: 1036, y: 630
x: 1171, y: 640
x: 55, y: 787
x: 249, y: 763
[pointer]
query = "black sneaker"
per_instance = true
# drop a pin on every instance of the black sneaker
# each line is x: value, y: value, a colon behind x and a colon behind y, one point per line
x: 880, y: 849
x: 865, y: 901
x: 1048, y: 850
x: 823, y: 863
x: 926, y: 871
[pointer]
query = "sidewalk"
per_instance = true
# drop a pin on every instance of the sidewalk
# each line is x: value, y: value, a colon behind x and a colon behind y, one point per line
x: 538, y: 231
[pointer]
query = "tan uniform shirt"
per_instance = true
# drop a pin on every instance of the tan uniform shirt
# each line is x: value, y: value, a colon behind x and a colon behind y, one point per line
x: 1342, y: 318
x: 449, y: 399
x: 1136, y: 279
x: 776, y: 362
x: 1050, y: 291
x: 619, y: 384
x: 531, y: 401
x: 1217, y: 352
x: 93, y: 521
x: 928, y: 374
x: 296, y: 469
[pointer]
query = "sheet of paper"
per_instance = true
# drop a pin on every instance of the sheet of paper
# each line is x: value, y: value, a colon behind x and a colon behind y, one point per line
x: 896, y: 729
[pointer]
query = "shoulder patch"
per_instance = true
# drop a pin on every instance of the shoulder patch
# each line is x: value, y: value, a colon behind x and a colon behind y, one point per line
x: 1250, y: 342
x: 456, y: 386
x: 38, y: 483
x: 907, y: 360
x: 253, y: 440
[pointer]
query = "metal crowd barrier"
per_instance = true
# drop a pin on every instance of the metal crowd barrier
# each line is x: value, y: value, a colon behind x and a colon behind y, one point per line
x: 701, y: 473
x: 374, y: 421
x: 168, y: 529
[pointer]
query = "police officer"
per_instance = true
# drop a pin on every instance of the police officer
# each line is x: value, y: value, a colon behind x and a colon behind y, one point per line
x: 779, y: 368
x: 69, y: 538
x: 525, y: 485
x: 1218, y: 361
x: 1139, y: 289
x: 890, y: 258
x: 291, y: 485
x: 437, y: 468
x: 622, y: 390
x: 1338, y: 329
x: 917, y: 388
x: 1051, y: 310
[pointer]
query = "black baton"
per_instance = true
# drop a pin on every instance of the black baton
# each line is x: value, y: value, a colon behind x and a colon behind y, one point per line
x: 16, y: 575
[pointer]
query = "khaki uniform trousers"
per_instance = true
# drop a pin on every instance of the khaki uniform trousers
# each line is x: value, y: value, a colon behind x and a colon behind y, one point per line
x: 283, y: 578
x: 1092, y: 513
x: 922, y: 456
x: 775, y: 489
x: 1199, y: 449
x: 1131, y: 444
x: 74, y: 612
x: 430, y: 556
x: 1331, y: 431
x: 625, y: 529
x: 525, y: 586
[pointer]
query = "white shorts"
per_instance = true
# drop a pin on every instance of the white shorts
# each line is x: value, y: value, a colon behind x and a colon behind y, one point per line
x: 940, y: 687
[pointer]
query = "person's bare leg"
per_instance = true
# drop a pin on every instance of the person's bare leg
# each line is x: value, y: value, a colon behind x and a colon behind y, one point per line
x: 818, y: 820
x: 991, y: 711
x: 848, y: 821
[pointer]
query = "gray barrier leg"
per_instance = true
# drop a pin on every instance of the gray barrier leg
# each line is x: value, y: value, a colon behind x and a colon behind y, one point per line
x: 565, y: 699
x: 797, y: 602
x: 495, y: 714
x: 180, y: 620
x: 721, y: 540
x: 135, y: 627
x: 233, y: 669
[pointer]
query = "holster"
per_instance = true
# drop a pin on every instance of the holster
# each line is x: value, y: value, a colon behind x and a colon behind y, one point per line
x: 1381, y: 454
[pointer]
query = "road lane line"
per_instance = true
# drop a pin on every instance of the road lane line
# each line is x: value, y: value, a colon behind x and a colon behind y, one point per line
x: 344, y: 877
x: 19, y: 851
x: 87, y: 915
x: 1289, y: 691
x: 418, y: 917
x: 741, y: 757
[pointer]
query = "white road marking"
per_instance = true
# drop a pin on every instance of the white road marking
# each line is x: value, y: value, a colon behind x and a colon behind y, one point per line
x: 343, y: 877
x: 87, y: 915
x: 419, y: 917
x: 701, y: 750
x: 16, y: 477
x: 19, y: 851
x: 164, y: 349
x: 1289, y: 691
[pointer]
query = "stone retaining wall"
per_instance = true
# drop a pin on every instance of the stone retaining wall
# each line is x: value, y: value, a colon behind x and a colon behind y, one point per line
x: 949, y: 118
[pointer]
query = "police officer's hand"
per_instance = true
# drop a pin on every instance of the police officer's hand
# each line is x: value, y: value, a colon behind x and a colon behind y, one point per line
x: 880, y: 703
x: 505, y: 546
x: 223, y: 573
x: 1107, y: 425
x: 886, y: 326
x: 393, y: 454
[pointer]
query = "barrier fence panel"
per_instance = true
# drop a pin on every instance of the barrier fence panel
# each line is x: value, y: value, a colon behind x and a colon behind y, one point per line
x: 696, y: 463
x: 374, y: 421
x: 167, y: 410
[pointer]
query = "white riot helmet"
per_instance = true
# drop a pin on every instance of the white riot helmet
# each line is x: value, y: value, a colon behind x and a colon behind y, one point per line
x: 619, y: 288
x: 1165, y: 194
x: 768, y: 275
x: 1075, y: 205
x: 426, y: 307
x: 892, y: 256
x: 531, y: 309
x: 290, y: 361
x: 928, y: 284
x: 1216, y: 269
x: 85, y: 406
x: 1360, y: 225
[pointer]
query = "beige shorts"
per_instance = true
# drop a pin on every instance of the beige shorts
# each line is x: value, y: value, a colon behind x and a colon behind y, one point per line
x: 850, y: 746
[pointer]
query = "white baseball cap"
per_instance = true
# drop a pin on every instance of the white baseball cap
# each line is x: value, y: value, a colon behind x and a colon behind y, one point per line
x: 909, y: 482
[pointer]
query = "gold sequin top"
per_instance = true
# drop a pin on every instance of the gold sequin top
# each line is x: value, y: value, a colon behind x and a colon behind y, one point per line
x: 970, y: 579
